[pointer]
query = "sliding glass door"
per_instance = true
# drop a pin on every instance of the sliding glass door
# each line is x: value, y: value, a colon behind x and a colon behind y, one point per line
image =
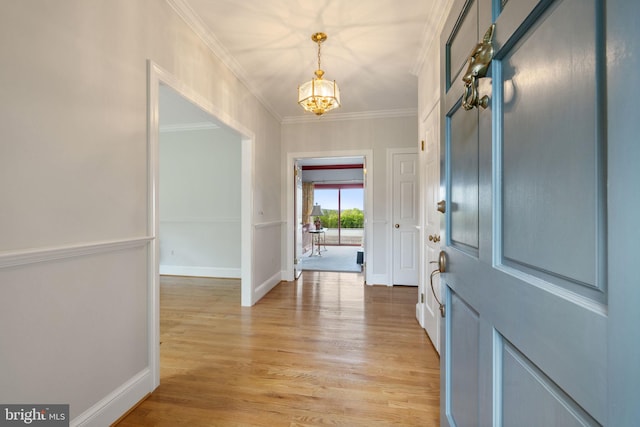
x: 343, y: 212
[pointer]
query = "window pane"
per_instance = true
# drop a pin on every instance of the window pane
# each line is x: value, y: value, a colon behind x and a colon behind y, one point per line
x: 351, y: 216
x: 351, y: 198
x: 328, y: 201
x: 347, y: 227
x: 326, y: 198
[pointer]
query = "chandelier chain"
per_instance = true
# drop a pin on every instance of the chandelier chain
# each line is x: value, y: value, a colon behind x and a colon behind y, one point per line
x: 319, y: 45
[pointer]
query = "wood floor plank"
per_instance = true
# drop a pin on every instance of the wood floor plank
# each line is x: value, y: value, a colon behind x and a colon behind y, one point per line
x: 324, y: 350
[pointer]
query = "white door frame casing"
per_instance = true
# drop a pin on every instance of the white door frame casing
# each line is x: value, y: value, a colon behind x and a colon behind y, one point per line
x: 426, y: 309
x: 156, y: 76
x: 368, y: 200
x: 297, y: 229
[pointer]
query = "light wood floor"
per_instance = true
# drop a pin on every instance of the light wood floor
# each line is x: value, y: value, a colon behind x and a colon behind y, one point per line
x: 324, y: 350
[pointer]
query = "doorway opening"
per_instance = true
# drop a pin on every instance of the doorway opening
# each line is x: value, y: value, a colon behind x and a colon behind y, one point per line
x: 192, y: 215
x: 332, y: 214
x: 199, y: 191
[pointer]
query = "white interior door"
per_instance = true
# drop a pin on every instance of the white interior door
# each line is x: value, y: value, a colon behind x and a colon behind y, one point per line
x: 431, y: 291
x: 528, y: 289
x: 405, y: 218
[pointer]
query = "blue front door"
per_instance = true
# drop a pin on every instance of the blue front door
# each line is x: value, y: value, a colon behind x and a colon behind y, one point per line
x: 527, y: 332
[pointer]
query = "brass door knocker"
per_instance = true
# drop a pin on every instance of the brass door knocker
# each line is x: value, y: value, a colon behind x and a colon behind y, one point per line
x: 479, y: 61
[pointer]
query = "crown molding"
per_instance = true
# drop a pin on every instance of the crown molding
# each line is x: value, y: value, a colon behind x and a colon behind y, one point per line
x: 191, y: 18
x: 183, y: 127
x: 337, y: 117
x: 429, y: 38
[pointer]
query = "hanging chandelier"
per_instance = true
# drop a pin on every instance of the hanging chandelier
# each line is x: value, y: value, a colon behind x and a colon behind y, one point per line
x: 318, y: 95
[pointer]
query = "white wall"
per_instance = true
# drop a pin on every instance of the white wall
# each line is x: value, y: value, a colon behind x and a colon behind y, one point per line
x: 200, y: 203
x: 375, y: 134
x: 429, y: 80
x: 74, y: 181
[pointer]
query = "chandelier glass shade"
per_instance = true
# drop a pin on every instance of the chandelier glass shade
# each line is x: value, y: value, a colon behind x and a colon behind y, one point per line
x: 318, y: 95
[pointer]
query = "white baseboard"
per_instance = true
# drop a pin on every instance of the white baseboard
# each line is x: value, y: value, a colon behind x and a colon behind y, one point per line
x: 118, y: 402
x: 267, y: 285
x: 179, y: 270
x: 420, y: 314
x: 288, y: 276
x: 378, y: 279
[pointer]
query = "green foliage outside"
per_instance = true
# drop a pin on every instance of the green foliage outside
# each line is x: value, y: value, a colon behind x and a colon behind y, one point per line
x: 350, y: 218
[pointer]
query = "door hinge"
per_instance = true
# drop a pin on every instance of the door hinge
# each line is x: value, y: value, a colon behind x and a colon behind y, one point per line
x: 422, y: 145
x: 422, y: 298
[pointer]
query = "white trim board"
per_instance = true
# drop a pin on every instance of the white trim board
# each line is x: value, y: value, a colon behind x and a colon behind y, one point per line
x: 195, y: 271
x: 116, y: 403
x: 188, y: 127
x: 363, y: 115
x: 36, y: 255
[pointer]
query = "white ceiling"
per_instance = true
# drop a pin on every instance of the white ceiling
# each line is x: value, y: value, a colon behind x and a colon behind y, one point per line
x: 373, y: 50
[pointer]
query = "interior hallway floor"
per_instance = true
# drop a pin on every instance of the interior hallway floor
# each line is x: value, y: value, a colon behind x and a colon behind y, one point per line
x: 322, y: 350
x: 333, y: 258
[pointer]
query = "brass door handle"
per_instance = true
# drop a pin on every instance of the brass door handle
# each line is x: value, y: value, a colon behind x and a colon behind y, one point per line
x: 442, y: 262
x: 397, y: 226
x: 434, y: 238
x: 442, y: 267
x: 442, y: 206
x: 479, y: 61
